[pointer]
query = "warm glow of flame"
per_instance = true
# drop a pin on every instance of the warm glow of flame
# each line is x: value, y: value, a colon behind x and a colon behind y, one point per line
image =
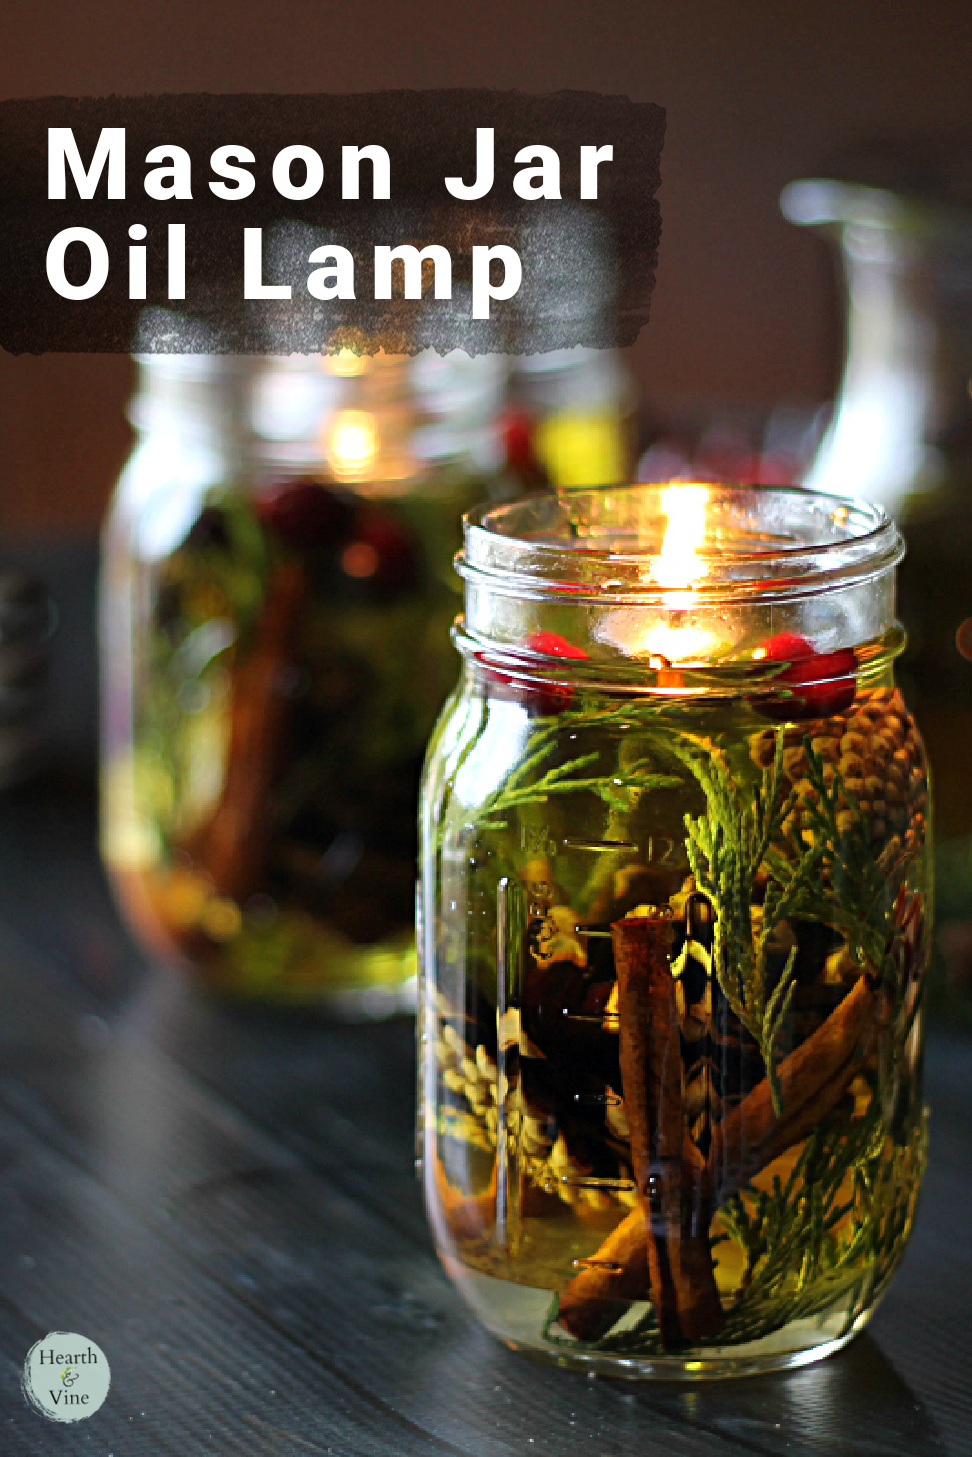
x: 353, y: 445
x: 346, y: 364
x: 677, y: 644
x: 678, y: 563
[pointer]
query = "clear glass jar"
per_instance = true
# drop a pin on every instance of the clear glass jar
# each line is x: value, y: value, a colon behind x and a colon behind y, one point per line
x: 276, y: 597
x: 674, y: 901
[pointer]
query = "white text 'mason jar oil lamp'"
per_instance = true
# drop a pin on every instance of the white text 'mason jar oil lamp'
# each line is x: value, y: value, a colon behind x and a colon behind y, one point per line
x: 674, y: 889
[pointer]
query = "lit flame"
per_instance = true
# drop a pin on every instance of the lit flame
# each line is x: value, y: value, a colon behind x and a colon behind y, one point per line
x: 353, y: 445
x: 678, y: 565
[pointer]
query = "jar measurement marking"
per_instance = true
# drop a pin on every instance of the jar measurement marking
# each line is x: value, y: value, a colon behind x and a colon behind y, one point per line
x: 591, y: 1181
x: 503, y: 909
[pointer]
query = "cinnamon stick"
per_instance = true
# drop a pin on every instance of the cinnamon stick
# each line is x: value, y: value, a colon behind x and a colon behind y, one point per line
x: 679, y: 1265
x: 231, y: 847
x: 815, y: 1076
x: 616, y: 1275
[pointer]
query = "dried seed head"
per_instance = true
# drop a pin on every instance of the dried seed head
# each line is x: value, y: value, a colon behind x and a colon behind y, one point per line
x: 452, y: 1039
x: 485, y: 1063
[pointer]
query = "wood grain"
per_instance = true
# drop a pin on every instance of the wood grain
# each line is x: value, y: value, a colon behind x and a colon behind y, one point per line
x: 226, y: 1203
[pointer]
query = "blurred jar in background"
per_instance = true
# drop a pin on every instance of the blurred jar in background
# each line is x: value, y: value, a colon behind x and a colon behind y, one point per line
x: 276, y: 601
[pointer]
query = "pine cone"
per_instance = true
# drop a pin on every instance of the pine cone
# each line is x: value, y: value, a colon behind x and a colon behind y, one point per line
x: 876, y: 748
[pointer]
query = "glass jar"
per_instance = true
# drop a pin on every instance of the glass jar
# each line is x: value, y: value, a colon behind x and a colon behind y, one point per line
x: 674, y: 893
x: 276, y: 597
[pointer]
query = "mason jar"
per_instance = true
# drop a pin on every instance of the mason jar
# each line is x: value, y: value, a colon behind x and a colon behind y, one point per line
x: 675, y: 886
x: 276, y: 599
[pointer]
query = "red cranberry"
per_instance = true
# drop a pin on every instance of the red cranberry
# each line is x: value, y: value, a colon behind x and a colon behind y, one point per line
x: 552, y: 645
x: 821, y: 684
x: 304, y: 513
x: 541, y: 699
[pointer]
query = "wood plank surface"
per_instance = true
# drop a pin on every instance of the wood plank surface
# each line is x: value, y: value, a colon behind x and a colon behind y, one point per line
x: 225, y: 1201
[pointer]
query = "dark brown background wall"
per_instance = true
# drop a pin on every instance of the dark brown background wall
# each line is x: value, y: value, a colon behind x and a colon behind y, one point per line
x: 757, y: 93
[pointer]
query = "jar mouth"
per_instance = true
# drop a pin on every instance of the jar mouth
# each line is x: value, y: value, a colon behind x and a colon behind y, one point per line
x: 677, y: 544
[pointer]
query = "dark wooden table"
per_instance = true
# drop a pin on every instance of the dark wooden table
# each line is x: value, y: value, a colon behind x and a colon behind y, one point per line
x: 225, y: 1202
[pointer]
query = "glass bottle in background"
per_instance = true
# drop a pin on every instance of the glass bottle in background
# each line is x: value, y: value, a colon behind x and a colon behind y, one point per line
x: 902, y: 430
x: 580, y: 401
x: 276, y: 601
x: 583, y: 401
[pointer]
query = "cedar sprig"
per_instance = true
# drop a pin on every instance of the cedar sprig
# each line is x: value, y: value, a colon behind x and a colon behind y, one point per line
x: 619, y: 791
x: 729, y: 849
x: 622, y: 791
x: 863, y: 878
x: 514, y: 794
x: 839, y: 1220
x: 832, y: 1229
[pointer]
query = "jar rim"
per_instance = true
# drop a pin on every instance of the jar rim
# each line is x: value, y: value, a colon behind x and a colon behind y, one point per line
x: 610, y: 543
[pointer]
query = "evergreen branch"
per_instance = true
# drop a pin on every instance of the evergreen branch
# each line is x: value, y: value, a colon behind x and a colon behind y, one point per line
x: 623, y: 791
x: 620, y: 791
x: 775, y: 1015
x: 809, y: 1242
x: 728, y: 848
x: 861, y: 882
x: 798, y: 1225
x: 543, y: 745
x: 514, y: 794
